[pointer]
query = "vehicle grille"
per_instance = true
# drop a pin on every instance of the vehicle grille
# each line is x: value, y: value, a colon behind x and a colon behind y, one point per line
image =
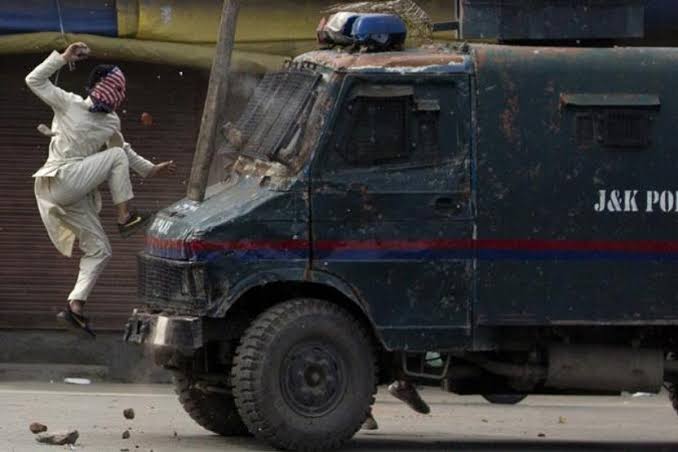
x: 179, y: 285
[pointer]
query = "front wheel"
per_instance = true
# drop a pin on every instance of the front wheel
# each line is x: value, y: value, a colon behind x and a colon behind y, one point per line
x: 304, y: 375
x: 504, y: 399
x: 214, y: 411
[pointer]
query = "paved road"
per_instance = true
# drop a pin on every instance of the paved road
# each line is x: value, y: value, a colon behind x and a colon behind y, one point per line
x: 456, y: 423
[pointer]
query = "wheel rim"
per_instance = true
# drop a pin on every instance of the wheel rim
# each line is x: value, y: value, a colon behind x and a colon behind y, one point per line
x: 313, y: 379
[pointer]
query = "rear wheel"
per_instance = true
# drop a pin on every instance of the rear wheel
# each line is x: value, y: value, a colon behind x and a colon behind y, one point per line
x: 304, y: 375
x: 505, y: 399
x: 215, y: 411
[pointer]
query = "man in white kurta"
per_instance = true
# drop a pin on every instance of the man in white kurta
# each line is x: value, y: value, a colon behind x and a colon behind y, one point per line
x: 86, y: 150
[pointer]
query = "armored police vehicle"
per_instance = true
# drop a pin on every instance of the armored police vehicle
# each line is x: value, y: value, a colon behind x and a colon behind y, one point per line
x: 513, y: 210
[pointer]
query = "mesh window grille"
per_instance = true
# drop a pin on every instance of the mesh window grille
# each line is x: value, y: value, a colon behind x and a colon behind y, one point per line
x: 626, y: 128
x: 273, y: 110
x: 379, y: 132
x: 584, y: 130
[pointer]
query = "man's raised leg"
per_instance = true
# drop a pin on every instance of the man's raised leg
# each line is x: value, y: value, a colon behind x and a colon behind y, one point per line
x: 83, y: 218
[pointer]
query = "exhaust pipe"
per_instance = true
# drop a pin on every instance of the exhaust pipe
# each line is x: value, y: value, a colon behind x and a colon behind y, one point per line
x: 602, y: 368
x: 589, y: 368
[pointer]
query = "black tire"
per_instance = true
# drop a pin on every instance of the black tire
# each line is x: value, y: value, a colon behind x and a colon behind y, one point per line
x: 304, y: 376
x: 504, y: 399
x: 214, y: 411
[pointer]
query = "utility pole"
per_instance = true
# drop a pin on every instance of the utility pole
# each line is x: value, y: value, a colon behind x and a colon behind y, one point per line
x: 215, y: 101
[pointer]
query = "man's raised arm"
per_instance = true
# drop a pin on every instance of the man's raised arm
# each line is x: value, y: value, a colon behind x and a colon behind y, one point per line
x: 38, y: 80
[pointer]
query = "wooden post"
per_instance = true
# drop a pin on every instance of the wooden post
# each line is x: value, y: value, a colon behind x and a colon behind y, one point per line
x: 214, y: 102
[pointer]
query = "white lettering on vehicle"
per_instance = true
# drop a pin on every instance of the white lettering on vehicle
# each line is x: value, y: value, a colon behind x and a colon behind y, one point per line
x: 161, y: 226
x: 627, y: 201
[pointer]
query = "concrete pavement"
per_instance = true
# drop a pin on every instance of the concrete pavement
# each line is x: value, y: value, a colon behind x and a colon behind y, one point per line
x: 456, y: 423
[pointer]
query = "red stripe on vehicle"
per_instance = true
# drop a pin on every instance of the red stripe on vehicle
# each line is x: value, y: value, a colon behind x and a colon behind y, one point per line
x: 654, y: 246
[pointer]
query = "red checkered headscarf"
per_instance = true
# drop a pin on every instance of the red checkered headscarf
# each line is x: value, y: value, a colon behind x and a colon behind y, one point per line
x: 109, y: 92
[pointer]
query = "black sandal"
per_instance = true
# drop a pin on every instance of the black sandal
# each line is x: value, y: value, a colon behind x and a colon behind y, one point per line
x: 75, y: 322
x: 136, y: 221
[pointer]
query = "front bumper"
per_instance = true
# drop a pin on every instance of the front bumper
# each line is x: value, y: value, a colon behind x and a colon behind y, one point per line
x: 181, y: 333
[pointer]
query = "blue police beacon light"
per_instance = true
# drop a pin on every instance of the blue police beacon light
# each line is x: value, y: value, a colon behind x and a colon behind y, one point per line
x: 373, y: 31
x: 379, y: 31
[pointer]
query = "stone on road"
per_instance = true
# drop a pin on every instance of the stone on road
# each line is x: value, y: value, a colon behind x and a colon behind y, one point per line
x: 37, y: 427
x: 58, y: 439
x: 549, y: 423
x: 128, y: 413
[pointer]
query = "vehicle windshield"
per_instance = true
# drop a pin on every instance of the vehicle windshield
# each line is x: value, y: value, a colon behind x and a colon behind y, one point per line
x: 273, y: 122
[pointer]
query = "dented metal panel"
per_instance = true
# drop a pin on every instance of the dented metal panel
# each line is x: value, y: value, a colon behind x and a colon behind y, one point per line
x: 251, y: 230
x: 573, y: 232
x: 400, y: 233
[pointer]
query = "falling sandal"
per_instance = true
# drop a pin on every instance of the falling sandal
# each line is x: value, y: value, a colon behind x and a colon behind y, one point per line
x: 75, y: 322
x: 136, y: 221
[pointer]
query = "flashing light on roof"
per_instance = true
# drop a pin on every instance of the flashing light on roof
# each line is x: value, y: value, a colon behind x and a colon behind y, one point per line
x: 372, y: 31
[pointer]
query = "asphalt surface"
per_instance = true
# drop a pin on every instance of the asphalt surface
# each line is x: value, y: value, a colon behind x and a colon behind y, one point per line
x: 456, y: 423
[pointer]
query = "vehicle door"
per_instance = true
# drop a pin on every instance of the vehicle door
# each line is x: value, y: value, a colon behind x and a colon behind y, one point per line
x: 392, y: 211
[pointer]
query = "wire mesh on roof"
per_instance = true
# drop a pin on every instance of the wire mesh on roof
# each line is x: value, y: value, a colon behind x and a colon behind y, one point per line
x: 272, y: 112
x: 417, y: 20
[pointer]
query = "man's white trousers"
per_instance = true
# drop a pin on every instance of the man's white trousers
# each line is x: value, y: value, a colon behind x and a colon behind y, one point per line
x: 74, y: 189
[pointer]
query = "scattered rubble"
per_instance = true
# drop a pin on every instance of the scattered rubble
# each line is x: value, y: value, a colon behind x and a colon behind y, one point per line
x: 37, y: 427
x: 58, y: 439
x: 128, y: 413
x: 125, y: 434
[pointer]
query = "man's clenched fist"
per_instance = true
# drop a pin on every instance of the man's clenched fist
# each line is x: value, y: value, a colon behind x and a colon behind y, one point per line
x: 76, y: 52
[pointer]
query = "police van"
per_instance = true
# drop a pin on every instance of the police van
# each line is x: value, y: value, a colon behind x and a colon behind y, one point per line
x: 509, y: 210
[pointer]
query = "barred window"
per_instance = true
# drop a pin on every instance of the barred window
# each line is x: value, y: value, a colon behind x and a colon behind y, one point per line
x: 376, y: 132
x: 613, y: 128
